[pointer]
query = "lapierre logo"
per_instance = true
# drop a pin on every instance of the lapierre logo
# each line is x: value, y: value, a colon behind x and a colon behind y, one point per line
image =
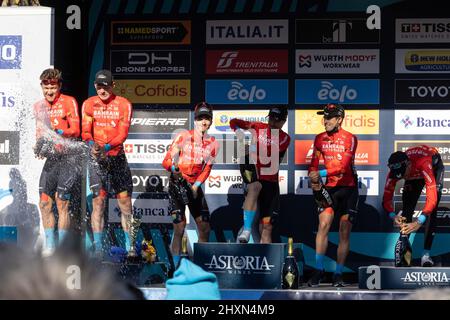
x: 340, y: 91
x: 335, y: 31
x: 432, y: 122
x: 10, y: 52
x: 427, y: 91
x: 426, y: 278
x: 151, y: 62
x: 246, y: 31
x: 246, y: 61
x: 240, y: 264
x: 168, y: 121
x: 342, y: 61
x: 422, y: 30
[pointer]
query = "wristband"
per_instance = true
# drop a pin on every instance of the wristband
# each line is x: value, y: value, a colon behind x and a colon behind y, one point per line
x: 60, y: 131
x: 197, y: 183
x: 91, y: 143
x: 173, y: 168
x: 392, y: 215
x: 421, y: 219
x: 107, y: 147
x: 323, y: 172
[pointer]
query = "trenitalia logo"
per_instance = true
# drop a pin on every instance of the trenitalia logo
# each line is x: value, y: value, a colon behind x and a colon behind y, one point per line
x: 342, y: 61
x: 422, y: 30
x: 221, y: 120
x: 155, y: 91
x: 431, y: 122
x: 246, y: 61
x: 422, y: 60
x: 230, y: 182
x: 358, y: 121
x: 366, y: 152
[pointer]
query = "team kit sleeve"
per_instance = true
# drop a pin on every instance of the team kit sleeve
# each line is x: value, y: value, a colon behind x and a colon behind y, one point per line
x: 168, y: 159
x: 124, y: 124
x: 73, y: 120
x: 240, y: 124
x: 431, y: 189
x: 87, y: 120
x: 208, y: 165
x: 388, y: 193
x: 314, y: 166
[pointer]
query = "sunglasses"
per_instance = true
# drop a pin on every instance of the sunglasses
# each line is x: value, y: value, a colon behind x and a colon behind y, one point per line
x: 396, y: 166
x: 47, y: 82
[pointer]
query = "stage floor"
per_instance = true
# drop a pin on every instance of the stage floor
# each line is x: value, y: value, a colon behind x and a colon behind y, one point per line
x: 324, y: 292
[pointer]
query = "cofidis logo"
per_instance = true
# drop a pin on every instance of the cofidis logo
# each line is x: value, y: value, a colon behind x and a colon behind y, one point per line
x: 154, y: 91
x: 10, y: 52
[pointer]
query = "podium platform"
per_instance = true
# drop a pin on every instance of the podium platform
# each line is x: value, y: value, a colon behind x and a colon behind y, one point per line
x: 384, y: 277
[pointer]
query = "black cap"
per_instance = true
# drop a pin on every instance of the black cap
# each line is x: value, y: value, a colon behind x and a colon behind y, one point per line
x: 278, y: 113
x: 397, y: 164
x: 332, y: 110
x: 104, y: 77
x: 203, y: 109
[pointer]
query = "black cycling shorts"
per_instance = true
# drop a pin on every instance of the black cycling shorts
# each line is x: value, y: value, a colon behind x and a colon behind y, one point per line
x: 345, y: 199
x: 269, y: 198
x: 60, y: 174
x: 198, y: 206
x: 111, y: 174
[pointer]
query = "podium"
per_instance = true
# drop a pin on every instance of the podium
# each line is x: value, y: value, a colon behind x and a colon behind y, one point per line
x: 382, y: 277
x: 243, y: 266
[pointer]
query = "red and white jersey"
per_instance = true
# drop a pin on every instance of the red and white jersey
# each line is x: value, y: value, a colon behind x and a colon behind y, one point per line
x: 421, y: 167
x: 106, y: 122
x: 262, y: 137
x: 338, y: 151
x: 196, y: 155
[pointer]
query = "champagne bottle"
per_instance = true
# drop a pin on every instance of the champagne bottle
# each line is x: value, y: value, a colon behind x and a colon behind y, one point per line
x: 184, y: 250
x: 290, y: 275
x: 403, y: 251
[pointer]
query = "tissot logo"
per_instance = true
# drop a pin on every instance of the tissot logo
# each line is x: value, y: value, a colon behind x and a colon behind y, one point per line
x: 334, y: 31
x: 427, y: 91
x: 146, y: 121
x: 422, y: 30
x: 124, y: 62
x: 9, y: 147
x: 246, y: 61
x: 146, y: 150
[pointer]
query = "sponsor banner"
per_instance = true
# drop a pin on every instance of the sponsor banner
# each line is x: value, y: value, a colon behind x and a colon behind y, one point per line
x: 150, y: 62
x: 247, y: 91
x: 337, y: 91
x: 247, y: 31
x: 221, y: 119
x: 445, y: 188
x: 417, y: 91
x: 143, y: 178
x: 9, y: 147
x: 8, y: 96
x: 165, y: 121
x: 367, y: 183
x: 421, y: 30
x: 422, y: 61
x: 335, y: 31
x: 366, y: 152
x: 230, y: 182
x: 443, y: 146
x: 150, y: 210
x: 154, y: 91
x: 337, y: 60
x: 255, y: 266
x: 233, y: 151
x: 442, y: 214
x: 357, y: 121
x: 429, y: 122
x: 10, y: 52
x: 146, y: 150
x: 150, y: 32
x: 246, y: 61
